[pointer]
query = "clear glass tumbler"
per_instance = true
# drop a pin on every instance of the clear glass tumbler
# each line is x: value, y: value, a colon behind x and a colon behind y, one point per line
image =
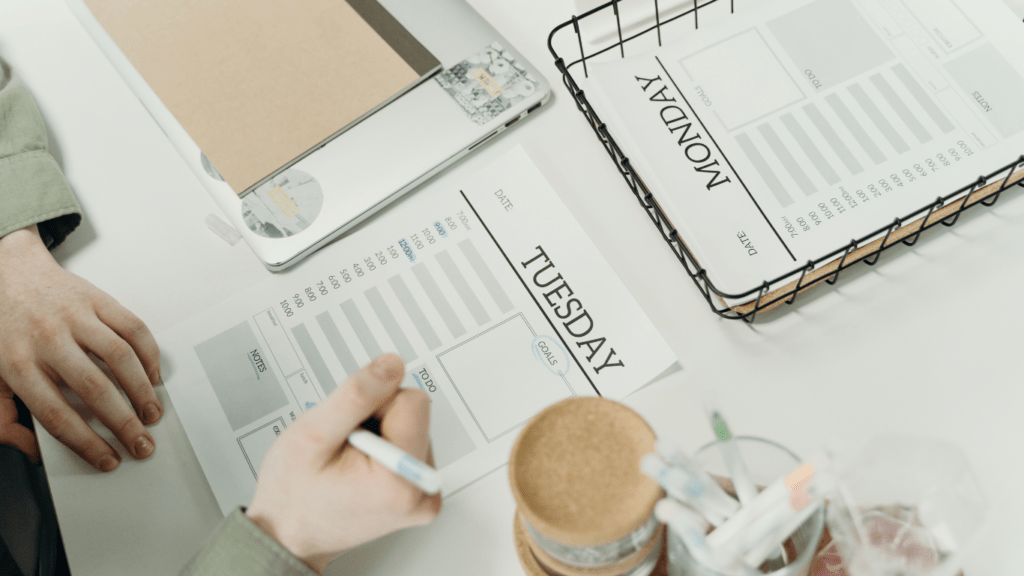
x: 766, y: 462
x: 906, y: 506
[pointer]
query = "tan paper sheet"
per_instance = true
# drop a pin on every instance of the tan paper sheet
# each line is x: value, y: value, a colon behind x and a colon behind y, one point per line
x: 257, y: 83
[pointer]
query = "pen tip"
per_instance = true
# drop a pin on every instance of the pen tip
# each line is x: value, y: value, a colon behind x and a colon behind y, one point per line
x: 721, y: 428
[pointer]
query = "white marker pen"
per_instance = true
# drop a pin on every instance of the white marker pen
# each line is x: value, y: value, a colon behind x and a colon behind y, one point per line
x: 745, y: 489
x: 768, y: 543
x: 717, y: 497
x: 396, y: 460
x: 680, y: 486
x: 692, y: 529
x: 775, y: 496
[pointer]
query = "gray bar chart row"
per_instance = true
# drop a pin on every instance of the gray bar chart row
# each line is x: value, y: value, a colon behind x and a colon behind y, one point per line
x: 486, y: 276
x: 316, y: 361
x: 874, y: 114
x: 901, y: 108
x: 835, y: 142
x: 337, y: 343
x: 458, y: 281
x: 419, y: 319
x: 390, y: 324
x: 869, y: 115
x: 812, y: 152
x: 873, y: 111
x: 384, y: 315
x: 923, y: 99
x: 855, y: 128
x: 437, y: 298
x: 764, y: 169
x: 786, y: 157
x: 361, y: 328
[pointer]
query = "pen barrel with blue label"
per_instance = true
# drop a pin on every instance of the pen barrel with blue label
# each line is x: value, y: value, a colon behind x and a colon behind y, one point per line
x: 583, y: 506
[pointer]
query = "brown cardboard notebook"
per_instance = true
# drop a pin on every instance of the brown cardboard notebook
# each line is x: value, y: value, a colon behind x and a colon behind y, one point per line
x: 259, y: 83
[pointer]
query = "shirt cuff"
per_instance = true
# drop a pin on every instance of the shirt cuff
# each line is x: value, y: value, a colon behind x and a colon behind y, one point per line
x: 33, y: 190
x: 239, y: 547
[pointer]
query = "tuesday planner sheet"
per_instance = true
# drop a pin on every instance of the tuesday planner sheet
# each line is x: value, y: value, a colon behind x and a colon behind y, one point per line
x: 492, y: 294
x: 786, y: 130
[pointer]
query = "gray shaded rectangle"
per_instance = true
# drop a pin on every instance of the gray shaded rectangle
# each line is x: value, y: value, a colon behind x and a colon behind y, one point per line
x: 387, y: 320
x: 245, y: 394
x: 986, y: 76
x: 330, y: 329
x: 412, y: 308
x: 355, y: 320
x: 876, y: 117
x: 859, y: 134
x: 830, y: 39
x: 448, y: 436
x: 316, y: 361
x: 833, y: 139
x: 762, y: 167
x: 462, y: 287
x: 486, y: 275
x: 787, y: 159
x: 812, y: 152
x: 901, y: 108
x: 923, y: 99
x: 441, y: 304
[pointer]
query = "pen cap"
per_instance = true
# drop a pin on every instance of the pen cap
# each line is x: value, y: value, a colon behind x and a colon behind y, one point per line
x: 575, y: 472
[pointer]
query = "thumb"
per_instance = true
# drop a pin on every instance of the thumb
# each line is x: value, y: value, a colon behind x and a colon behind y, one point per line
x: 13, y: 434
x: 20, y: 438
x: 353, y: 402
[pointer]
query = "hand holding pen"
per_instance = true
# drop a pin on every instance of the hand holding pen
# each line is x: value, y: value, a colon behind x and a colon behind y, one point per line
x: 319, y: 495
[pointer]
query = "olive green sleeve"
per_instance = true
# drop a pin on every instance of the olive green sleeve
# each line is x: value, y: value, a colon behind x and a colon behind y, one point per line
x: 33, y: 189
x: 239, y: 547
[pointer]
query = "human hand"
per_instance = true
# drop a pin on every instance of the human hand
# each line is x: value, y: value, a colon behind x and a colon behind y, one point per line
x: 49, y: 320
x: 318, y: 496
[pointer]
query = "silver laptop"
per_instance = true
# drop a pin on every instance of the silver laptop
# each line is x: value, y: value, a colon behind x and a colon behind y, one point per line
x: 387, y: 154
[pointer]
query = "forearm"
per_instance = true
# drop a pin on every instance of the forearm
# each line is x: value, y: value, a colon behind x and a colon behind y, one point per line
x: 239, y: 547
x: 33, y: 189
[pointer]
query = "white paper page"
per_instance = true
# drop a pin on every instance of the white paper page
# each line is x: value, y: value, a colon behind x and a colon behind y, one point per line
x: 787, y: 130
x: 493, y: 295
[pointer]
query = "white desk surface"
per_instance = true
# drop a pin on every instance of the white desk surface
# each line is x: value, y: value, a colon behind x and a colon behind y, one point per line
x: 927, y: 342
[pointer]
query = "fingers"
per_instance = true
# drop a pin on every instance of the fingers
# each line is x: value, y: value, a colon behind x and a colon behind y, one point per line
x: 426, y: 510
x: 135, y: 332
x: 12, y: 433
x: 63, y: 423
x: 406, y: 424
x: 355, y: 400
x: 83, y: 376
x: 122, y: 359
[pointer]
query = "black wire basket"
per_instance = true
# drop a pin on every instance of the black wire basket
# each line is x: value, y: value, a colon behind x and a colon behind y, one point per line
x: 771, y: 293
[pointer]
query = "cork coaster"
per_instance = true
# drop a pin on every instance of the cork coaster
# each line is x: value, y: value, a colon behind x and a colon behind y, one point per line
x: 575, y: 472
x: 532, y: 566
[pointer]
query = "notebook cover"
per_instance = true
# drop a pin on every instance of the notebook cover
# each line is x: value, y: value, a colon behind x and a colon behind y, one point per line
x: 258, y: 83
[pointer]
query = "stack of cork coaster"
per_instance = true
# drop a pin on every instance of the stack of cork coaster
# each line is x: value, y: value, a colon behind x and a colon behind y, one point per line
x: 583, y: 506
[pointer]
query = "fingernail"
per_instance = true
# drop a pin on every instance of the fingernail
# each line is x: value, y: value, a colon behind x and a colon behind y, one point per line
x: 378, y: 366
x: 108, y: 463
x: 143, y: 447
x: 383, y: 367
x: 150, y: 413
x: 154, y: 378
